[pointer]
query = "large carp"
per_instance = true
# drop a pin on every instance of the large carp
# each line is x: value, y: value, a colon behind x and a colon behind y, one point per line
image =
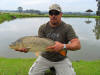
x: 32, y: 43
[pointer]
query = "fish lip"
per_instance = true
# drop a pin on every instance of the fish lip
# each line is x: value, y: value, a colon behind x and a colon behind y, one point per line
x: 11, y: 46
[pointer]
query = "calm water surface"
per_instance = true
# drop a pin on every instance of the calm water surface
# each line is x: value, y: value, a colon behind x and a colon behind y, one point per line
x: 87, y: 30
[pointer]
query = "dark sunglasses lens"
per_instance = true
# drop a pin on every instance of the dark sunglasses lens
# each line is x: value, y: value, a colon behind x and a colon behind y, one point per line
x: 57, y: 13
x: 54, y: 13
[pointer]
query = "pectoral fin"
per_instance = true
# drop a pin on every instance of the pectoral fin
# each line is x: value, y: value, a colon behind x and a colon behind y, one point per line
x: 28, y: 48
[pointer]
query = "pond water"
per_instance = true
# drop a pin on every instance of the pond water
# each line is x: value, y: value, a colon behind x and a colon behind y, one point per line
x: 88, y: 31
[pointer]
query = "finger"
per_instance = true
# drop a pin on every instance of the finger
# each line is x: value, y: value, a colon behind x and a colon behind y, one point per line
x: 56, y: 42
x: 51, y: 47
x: 25, y: 51
x: 16, y: 50
x: 22, y: 50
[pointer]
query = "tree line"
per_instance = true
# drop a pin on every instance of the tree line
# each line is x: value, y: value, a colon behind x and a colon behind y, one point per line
x: 20, y: 10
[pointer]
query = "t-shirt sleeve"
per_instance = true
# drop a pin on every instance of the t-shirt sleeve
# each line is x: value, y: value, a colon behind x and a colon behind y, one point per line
x: 71, y: 33
x: 41, y: 32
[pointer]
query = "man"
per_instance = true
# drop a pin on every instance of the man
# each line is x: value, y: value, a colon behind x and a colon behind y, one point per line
x: 62, y: 34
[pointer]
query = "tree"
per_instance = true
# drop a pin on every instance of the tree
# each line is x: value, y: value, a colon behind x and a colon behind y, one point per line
x: 20, y: 9
x: 89, y: 11
x: 31, y: 11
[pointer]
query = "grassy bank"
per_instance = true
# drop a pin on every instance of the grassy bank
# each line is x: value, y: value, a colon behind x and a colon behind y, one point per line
x: 10, y: 16
x: 81, y: 16
x: 19, y: 66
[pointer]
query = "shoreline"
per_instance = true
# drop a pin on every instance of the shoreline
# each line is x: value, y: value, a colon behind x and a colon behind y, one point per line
x: 11, y: 16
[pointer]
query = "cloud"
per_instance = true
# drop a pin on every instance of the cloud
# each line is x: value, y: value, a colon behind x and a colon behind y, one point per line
x: 43, y: 5
x: 33, y: 2
x: 46, y: 2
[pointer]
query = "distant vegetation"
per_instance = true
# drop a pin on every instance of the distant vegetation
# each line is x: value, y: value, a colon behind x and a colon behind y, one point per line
x: 18, y: 66
x: 20, y: 9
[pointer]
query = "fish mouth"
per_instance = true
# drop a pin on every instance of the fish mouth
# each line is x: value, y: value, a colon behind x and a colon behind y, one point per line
x: 10, y: 46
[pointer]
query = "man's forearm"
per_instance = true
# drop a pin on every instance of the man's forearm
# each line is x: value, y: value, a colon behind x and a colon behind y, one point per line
x: 74, y: 45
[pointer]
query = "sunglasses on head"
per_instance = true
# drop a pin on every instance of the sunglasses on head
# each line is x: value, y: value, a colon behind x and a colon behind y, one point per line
x: 54, y: 12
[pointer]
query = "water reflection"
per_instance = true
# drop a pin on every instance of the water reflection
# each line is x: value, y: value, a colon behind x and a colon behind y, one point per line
x: 96, y: 29
x: 88, y: 21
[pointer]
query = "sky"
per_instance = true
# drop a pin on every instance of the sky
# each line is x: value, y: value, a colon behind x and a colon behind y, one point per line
x: 43, y: 5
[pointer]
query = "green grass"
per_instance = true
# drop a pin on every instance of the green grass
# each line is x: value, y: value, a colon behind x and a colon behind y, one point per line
x: 87, y: 67
x: 15, y: 66
x: 10, y: 16
x: 18, y: 66
x: 4, y: 17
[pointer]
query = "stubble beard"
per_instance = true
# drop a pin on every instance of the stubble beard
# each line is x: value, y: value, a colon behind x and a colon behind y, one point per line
x: 54, y: 22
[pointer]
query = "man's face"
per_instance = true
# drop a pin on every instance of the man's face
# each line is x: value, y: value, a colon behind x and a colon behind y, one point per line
x: 55, y: 17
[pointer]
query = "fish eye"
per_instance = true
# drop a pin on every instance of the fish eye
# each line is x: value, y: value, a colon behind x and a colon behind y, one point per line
x: 19, y: 41
x: 13, y: 43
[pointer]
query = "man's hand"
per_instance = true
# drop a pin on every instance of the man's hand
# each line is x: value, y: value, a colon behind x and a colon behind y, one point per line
x: 57, y: 47
x: 22, y: 50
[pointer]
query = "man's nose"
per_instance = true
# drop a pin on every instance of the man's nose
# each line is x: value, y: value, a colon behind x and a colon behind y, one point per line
x: 53, y: 15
